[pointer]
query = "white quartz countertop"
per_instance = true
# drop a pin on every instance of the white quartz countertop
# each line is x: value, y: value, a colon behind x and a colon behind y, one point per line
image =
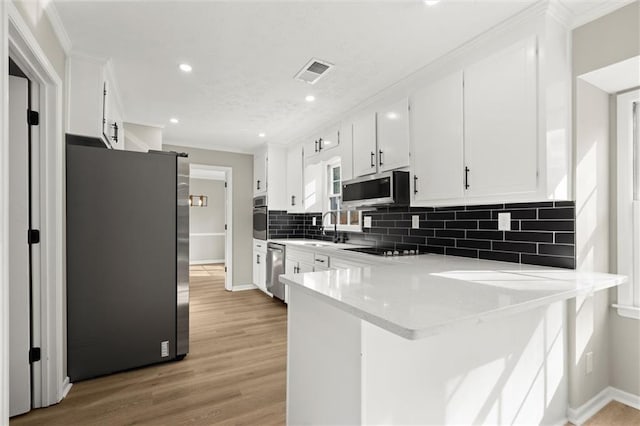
x: 419, y: 296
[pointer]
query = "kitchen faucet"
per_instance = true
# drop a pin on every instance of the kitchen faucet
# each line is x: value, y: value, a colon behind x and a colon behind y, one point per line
x: 336, y: 238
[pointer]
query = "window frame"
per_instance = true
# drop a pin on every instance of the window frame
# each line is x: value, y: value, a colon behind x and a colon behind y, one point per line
x: 628, y: 208
x: 330, y: 166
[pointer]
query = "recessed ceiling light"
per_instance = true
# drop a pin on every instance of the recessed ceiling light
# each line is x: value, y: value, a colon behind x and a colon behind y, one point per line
x: 174, y: 120
x: 261, y: 135
x: 431, y: 2
x: 310, y: 98
x: 185, y: 67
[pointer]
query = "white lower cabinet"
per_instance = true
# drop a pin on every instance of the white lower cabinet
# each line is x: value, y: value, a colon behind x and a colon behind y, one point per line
x: 260, y: 265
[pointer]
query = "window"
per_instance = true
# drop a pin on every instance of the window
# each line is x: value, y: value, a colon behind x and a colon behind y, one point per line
x: 628, y: 171
x: 348, y: 220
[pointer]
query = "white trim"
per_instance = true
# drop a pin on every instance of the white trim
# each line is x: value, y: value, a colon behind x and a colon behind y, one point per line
x: 24, y: 47
x: 205, y: 261
x: 244, y: 287
x: 207, y: 234
x: 114, y: 88
x: 58, y: 27
x: 628, y: 293
x: 601, y: 9
x: 580, y: 415
x: 208, y: 146
x: 4, y: 219
x: 66, y: 387
x: 627, y: 311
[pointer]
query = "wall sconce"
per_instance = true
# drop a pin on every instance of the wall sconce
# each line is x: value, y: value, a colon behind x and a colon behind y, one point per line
x: 198, y: 200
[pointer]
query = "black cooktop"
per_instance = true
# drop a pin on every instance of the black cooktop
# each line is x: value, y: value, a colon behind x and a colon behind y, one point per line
x: 382, y: 251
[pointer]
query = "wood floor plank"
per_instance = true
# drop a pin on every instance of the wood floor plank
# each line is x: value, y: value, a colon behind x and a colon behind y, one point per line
x: 235, y: 372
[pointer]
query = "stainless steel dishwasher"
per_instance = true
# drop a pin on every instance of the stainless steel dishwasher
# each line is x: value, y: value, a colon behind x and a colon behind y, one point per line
x: 275, y: 268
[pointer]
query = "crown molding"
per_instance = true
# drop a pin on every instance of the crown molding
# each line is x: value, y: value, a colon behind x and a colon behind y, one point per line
x: 58, y: 27
x: 603, y: 8
x: 210, y: 147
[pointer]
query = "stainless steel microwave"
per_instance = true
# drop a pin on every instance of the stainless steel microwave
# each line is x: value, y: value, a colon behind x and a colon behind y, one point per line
x: 388, y: 189
x: 260, y: 218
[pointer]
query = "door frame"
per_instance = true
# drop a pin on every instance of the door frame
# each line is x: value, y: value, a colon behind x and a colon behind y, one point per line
x: 19, y: 43
x: 202, y: 170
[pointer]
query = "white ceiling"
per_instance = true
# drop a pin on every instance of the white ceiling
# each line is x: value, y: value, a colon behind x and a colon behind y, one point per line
x: 245, y: 53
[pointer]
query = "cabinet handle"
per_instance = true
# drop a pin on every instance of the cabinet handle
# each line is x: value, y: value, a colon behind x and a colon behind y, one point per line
x: 415, y: 184
x: 114, y: 137
x: 373, y: 155
x: 380, y: 156
x: 320, y: 144
x: 466, y: 178
x: 257, y: 259
x: 293, y: 200
x: 258, y: 184
x: 320, y: 260
x: 296, y: 269
x: 316, y: 142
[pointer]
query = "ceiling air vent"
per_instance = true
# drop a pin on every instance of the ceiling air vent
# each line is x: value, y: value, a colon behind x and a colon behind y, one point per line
x: 314, y: 69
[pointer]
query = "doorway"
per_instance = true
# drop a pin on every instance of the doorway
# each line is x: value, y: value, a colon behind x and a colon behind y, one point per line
x: 210, y: 224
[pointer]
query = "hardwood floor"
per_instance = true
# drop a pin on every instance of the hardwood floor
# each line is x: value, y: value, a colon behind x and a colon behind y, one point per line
x: 234, y: 374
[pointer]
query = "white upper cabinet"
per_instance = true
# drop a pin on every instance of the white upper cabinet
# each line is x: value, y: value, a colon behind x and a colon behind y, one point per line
x: 314, y: 187
x: 437, y: 145
x: 270, y: 176
x: 364, y: 145
x: 501, y: 123
x: 260, y: 172
x: 393, y: 136
x: 94, y: 107
x: 295, y: 183
x: 326, y: 141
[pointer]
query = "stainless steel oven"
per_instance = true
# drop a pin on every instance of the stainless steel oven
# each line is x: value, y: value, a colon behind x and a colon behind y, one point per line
x: 260, y: 218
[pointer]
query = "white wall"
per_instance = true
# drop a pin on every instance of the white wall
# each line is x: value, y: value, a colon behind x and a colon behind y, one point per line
x: 204, y: 221
x: 242, y: 203
x: 613, y: 339
x: 138, y: 137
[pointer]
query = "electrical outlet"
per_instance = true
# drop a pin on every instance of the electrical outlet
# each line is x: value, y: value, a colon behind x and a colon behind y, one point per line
x: 589, y: 362
x: 504, y: 221
x: 415, y: 221
x: 164, y: 349
x: 313, y: 221
x: 367, y: 221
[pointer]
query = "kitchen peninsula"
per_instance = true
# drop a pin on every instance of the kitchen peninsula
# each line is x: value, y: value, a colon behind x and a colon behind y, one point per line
x: 432, y: 339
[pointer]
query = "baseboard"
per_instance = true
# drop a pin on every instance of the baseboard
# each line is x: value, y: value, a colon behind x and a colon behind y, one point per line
x: 243, y: 287
x: 66, y: 387
x: 580, y: 415
x: 205, y: 261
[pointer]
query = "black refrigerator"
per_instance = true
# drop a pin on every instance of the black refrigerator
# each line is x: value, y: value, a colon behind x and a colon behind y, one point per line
x: 127, y: 258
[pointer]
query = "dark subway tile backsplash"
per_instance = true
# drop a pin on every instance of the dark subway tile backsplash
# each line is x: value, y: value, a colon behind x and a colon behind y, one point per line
x: 541, y: 233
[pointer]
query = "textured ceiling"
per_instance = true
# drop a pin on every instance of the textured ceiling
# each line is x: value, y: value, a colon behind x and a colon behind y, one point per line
x: 244, y: 56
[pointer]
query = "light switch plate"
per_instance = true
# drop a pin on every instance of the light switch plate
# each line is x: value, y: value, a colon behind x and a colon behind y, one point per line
x: 415, y: 221
x: 313, y: 221
x: 367, y: 221
x: 504, y: 221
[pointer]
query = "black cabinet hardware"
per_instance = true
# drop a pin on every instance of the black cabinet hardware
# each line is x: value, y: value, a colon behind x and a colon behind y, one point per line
x: 415, y: 184
x: 316, y: 143
x: 258, y: 184
x: 114, y: 137
x: 257, y: 259
x: 320, y: 144
x: 373, y: 155
x: 380, y: 156
x: 466, y: 178
x: 293, y: 200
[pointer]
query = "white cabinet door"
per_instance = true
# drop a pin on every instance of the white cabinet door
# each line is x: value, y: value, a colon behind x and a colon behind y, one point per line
x: 346, y: 151
x: 437, y: 145
x: 393, y: 136
x: 260, y: 172
x: 295, y: 199
x: 314, y: 187
x: 260, y: 270
x: 330, y: 139
x: 364, y: 145
x: 500, y: 114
